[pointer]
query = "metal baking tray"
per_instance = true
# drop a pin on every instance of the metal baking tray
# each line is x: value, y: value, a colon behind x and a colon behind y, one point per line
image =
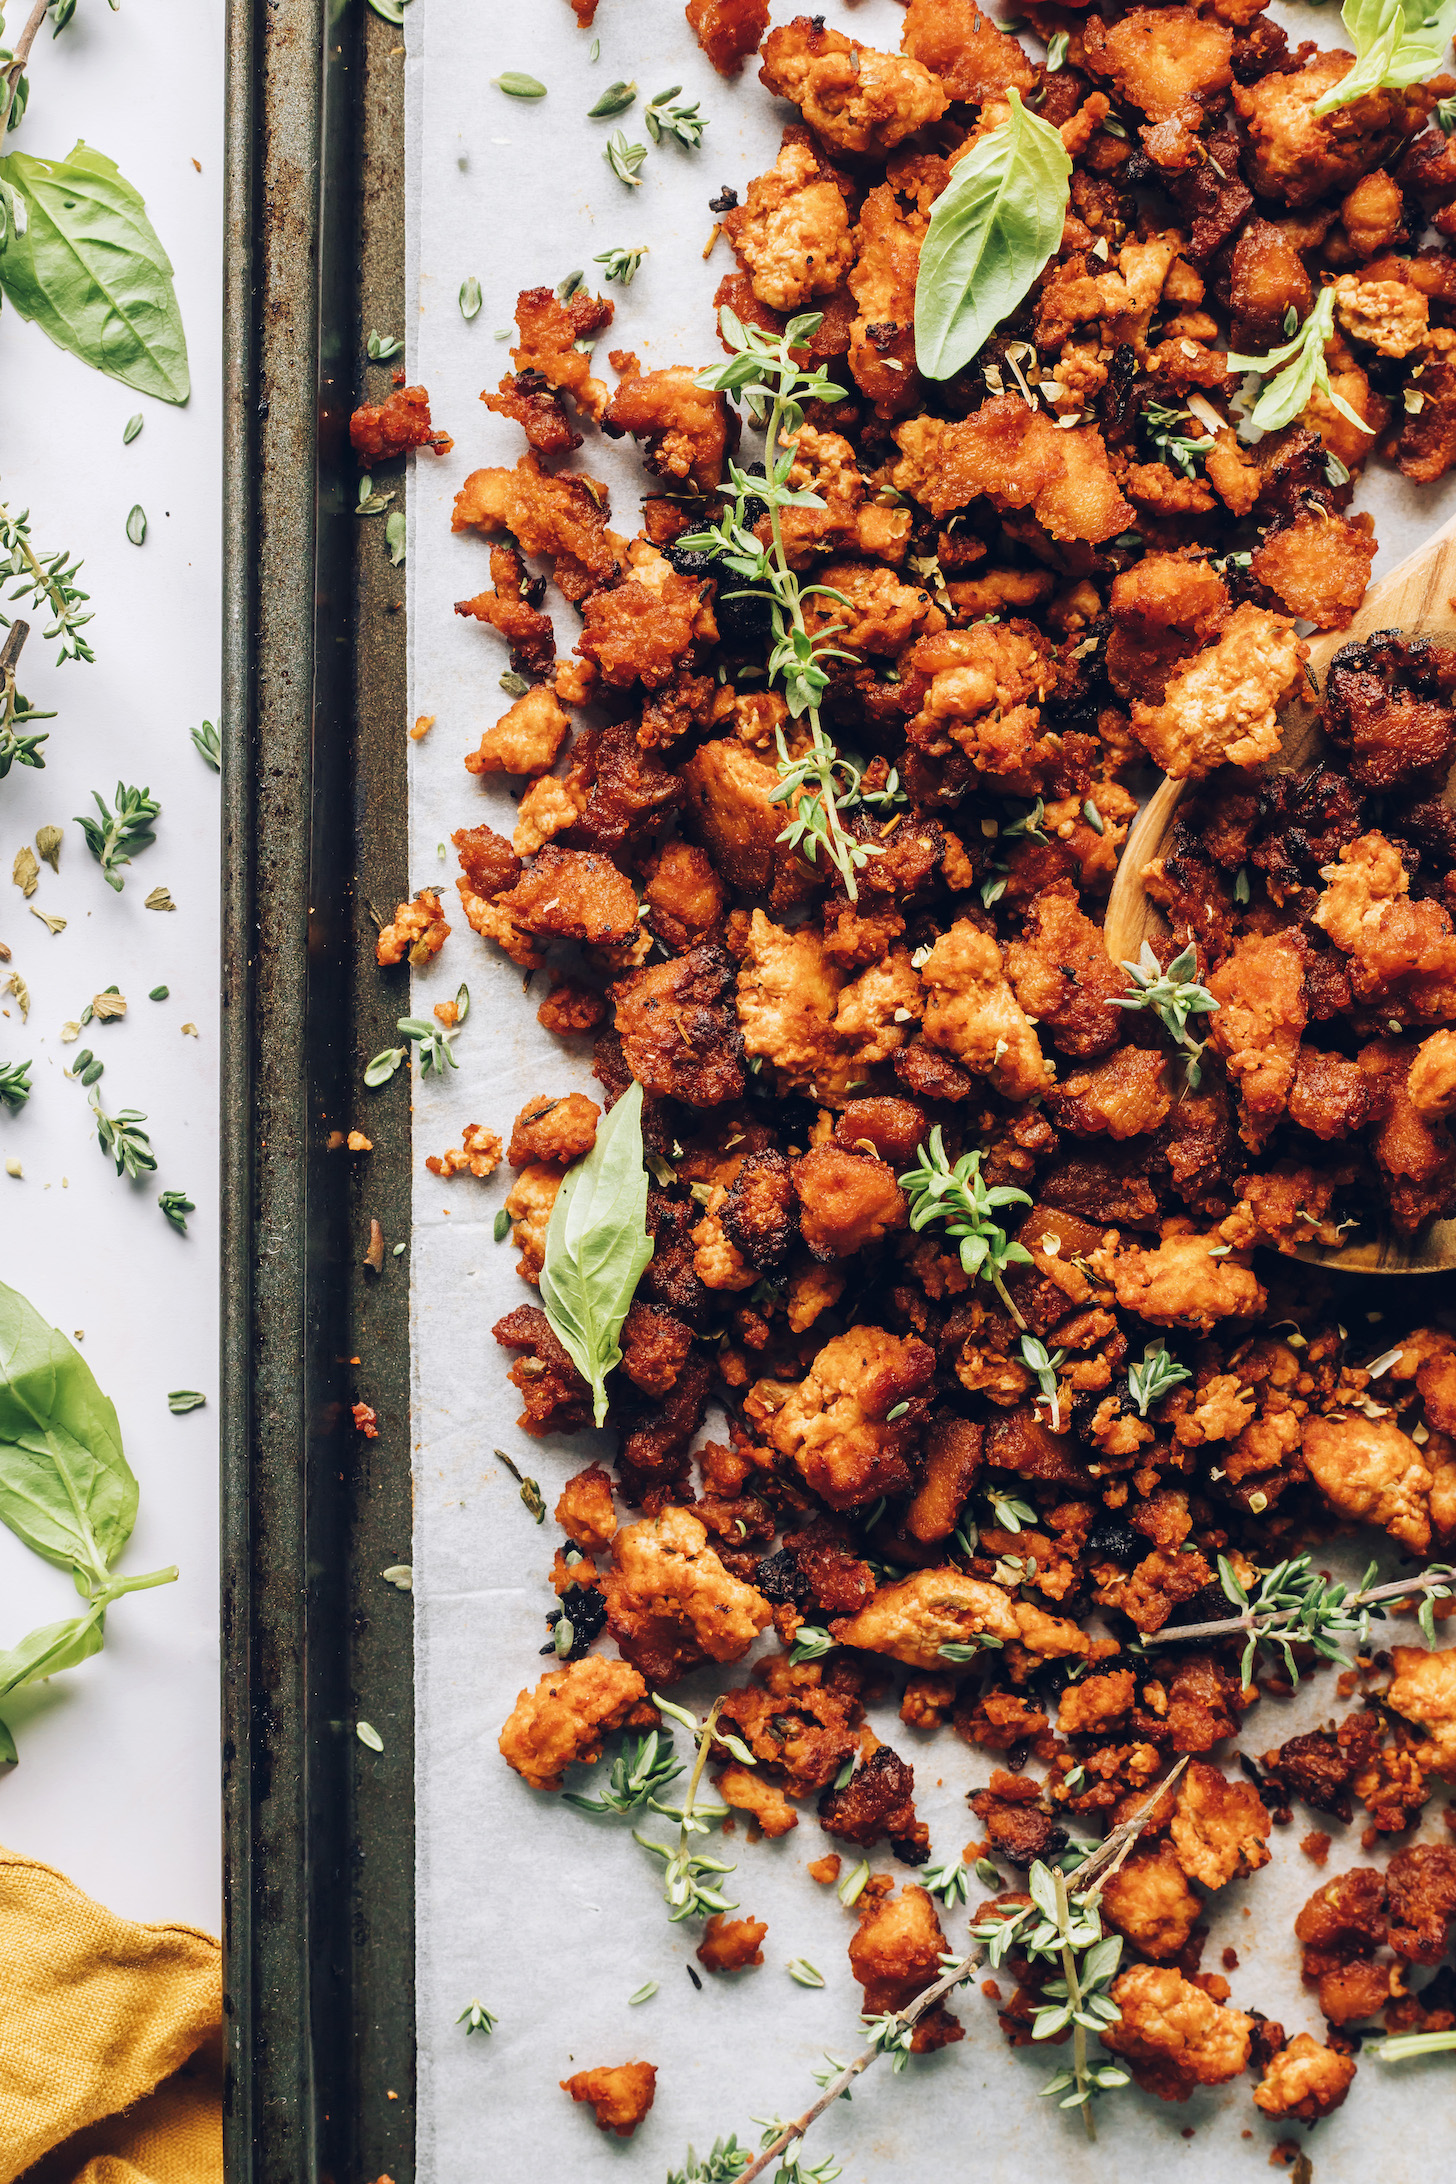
x: 319, y: 1849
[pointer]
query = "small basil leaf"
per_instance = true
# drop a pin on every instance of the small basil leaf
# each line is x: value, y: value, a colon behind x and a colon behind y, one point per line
x: 992, y: 229
x: 89, y: 270
x: 597, y: 1246
x: 66, y: 1488
x: 55, y: 1646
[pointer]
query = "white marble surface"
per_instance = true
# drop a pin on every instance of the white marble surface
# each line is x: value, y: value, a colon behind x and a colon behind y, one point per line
x: 119, y: 1776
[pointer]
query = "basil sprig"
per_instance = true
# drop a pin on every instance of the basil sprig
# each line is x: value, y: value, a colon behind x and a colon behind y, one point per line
x: 1303, y: 371
x: 80, y: 258
x: 1397, y: 42
x: 992, y: 229
x: 66, y: 1488
x: 597, y: 1245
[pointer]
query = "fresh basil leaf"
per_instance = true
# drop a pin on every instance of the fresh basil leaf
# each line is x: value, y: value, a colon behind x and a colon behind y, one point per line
x: 66, y: 1488
x: 8, y: 1754
x: 90, y: 271
x: 55, y: 1646
x: 992, y: 229
x: 597, y: 1245
x: 1397, y: 42
x: 1304, y: 369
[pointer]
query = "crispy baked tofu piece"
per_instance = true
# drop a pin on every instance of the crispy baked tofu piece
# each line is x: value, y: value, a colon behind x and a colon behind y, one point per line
x: 619, y: 2094
x: 665, y: 1573
x: 854, y: 99
x: 479, y: 1154
x: 729, y: 786
x: 892, y: 224
x: 550, y: 330
x: 1017, y: 458
x: 1399, y: 949
x: 1431, y: 1083
x: 684, y: 426
x: 1220, y: 708
x: 1063, y: 976
x: 1149, y: 1901
x: 585, y: 1510
x: 1299, y: 156
x: 792, y: 231
x: 1318, y: 567
x: 1390, y: 705
x: 1187, y: 1280
x: 417, y: 930
x: 1424, y: 1692
x: 972, y: 56
x: 1416, y: 1159
x: 507, y: 609
x: 833, y: 1424
x: 877, y: 1801
x: 529, y: 1204
x: 1163, y: 609
x: 676, y: 1024
x: 1391, y: 317
x: 1173, y: 2036
x: 573, y: 894
x: 642, y: 629
x: 972, y: 1013
x: 846, y: 1201
x: 381, y: 430
x: 788, y: 996
x: 731, y: 1945
x: 1158, y: 58
x: 1368, y: 1469
x: 1126, y: 1096
x: 563, y: 1721
x: 895, y: 1954
x: 1261, y: 1015
x: 525, y: 740
x: 1087, y: 1708
x: 728, y: 30
x: 877, y: 614
x: 685, y: 897
x: 554, y: 1129
x: 562, y: 514
x: 748, y: 1790
x: 1305, y: 2079
x: 912, y: 1619
x: 1220, y: 1828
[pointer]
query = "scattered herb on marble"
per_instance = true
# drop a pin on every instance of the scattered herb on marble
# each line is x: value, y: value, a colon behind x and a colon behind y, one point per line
x: 683, y: 123
x: 176, y: 1205
x: 113, y: 837
x: 133, y: 427
x: 517, y: 86
x: 182, y: 1400
x: 530, y: 1492
x: 621, y: 265
x: 136, y: 526
x: 48, y: 842
x: 470, y: 299
x: 123, y: 1140
x: 47, y: 583
x: 475, y: 2017
x: 209, y: 744
x: 625, y: 160
x: 15, y: 1085
x: 614, y: 100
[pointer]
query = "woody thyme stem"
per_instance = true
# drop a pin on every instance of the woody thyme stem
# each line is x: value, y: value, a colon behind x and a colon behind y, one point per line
x: 1074, y: 1997
x: 1097, y: 1867
x: 15, y: 67
x: 1254, y: 1623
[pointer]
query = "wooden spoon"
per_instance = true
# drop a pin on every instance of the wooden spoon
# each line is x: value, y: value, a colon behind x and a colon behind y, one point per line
x: 1415, y: 596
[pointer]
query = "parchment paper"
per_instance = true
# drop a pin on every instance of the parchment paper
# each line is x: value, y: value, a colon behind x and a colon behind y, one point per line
x: 550, y: 1917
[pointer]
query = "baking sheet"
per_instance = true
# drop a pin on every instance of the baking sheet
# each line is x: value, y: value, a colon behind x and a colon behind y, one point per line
x: 548, y: 1916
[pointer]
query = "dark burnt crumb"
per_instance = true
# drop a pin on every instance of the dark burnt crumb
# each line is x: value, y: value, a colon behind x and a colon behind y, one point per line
x: 840, y: 1450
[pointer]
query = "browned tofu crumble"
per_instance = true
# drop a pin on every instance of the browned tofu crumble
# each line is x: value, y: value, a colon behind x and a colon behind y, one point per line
x: 1058, y: 572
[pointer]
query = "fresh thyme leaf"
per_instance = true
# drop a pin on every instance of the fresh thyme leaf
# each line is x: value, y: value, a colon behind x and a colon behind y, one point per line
x: 624, y: 159
x: 395, y: 534
x: 1299, y: 367
x: 502, y: 1225
x: 811, y: 1643
x: 639, y: 1775
x: 401, y: 1575
x: 123, y: 1140
x: 370, y: 503
x: 209, y: 744
x: 133, y: 427
x: 958, y: 1196
x: 15, y: 1086
x: 136, y: 526
x: 614, y: 100
x: 49, y: 920
x: 1155, y: 1377
x: 48, y: 842
x: 517, y: 86
x: 644, y: 1994
x: 807, y: 1974
x: 113, y: 838
x: 383, y: 1066
x: 182, y: 1400
x: 47, y: 583
x: 381, y: 347
x: 176, y: 1205
x: 992, y: 229
x: 597, y: 1246
x: 470, y: 298
x: 158, y: 993
x: 1056, y: 52
x: 1173, y: 995
x: 159, y: 899
x: 475, y: 2017
x: 621, y: 265
x: 366, y: 1732
x: 25, y: 871
x: 682, y: 122
x: 90, y: 272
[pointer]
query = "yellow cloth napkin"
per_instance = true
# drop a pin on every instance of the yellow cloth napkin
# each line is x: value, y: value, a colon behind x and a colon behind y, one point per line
x: 110, y: 2040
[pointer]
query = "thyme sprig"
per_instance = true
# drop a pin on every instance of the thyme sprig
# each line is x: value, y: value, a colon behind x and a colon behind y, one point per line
x: 46, y: 582
x: 638, y: 1776
x: 689, y: 1881
x: 15, y: 1085
x: 437, y: 1051
x: 1043, y: 1362
x: 1155, y: 1377
x: 683, y: 122
x: 1407, y: 2044
x: 112, y: 839
x: 16, y: 712
x: 958, y: 1196
x: 621, y: 265
x: 1294, y: 1605
x: 764, y: 376
x: 1177, y: 449
x: 123, y: 1140
x: 1092, y: 1871
x: 1173, y: 995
